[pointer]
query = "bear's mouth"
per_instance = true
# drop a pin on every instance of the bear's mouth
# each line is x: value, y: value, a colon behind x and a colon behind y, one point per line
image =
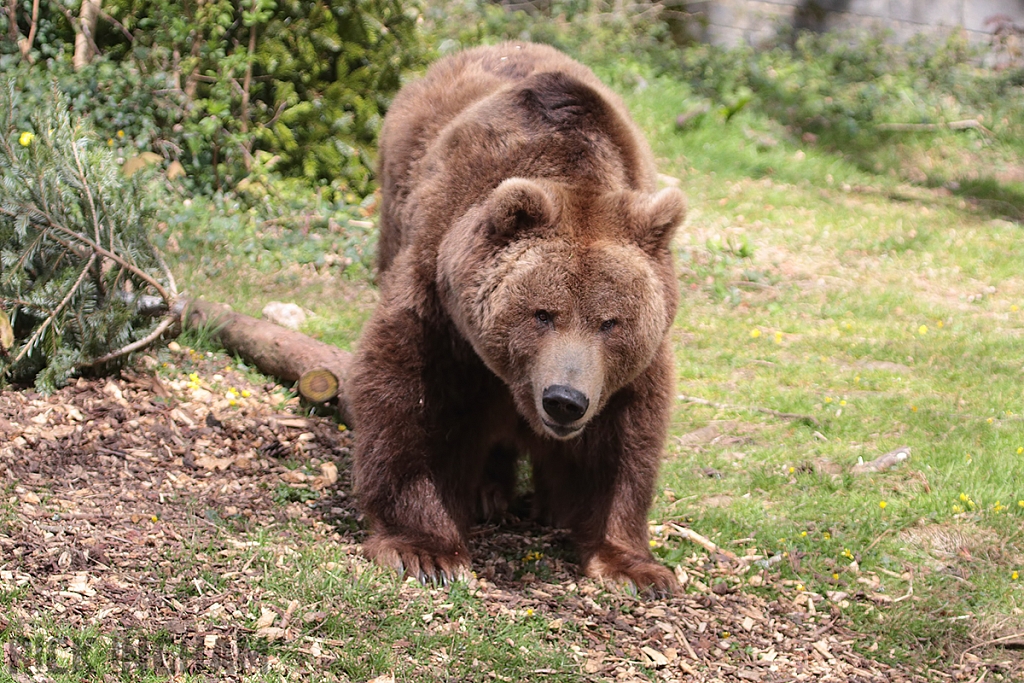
x: 562, y: 431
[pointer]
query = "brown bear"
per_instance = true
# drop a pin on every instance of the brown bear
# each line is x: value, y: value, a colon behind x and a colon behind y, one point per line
x: 527, y: 291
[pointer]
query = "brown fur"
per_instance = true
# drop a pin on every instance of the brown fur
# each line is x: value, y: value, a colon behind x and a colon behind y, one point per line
x: 524, y: 258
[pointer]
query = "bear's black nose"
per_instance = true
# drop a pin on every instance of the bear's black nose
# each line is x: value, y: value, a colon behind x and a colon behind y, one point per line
x: 564, y: 404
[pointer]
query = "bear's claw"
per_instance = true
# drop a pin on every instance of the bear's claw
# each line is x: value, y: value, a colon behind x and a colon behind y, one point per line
x: 635, y: 572
x: 425, y: 565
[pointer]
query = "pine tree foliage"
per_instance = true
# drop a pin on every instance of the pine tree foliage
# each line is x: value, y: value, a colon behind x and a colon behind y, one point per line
x: 75, y: 259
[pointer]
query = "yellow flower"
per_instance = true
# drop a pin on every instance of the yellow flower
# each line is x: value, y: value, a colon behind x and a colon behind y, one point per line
x: 828, y: 399
x: 778, y: 337
x: 342, y: 428
x: 26, y: 138
x: 857, y: 379
x: 842, y: 403
x: 989, y: 420
x: 913, y: 409
x: 792, y: 470
x: 800, y: 587
x: 998, y: 507
x: 835, y: 577
x: 964, y: 497
x: 1020, y: 503
x: 803, y: 534
x: 120, y: 133
x: 1014, y: 308
x: 726, y: 634
x: 246, y: 393
x: 826, y: 535
x: 847, y: 554
x: 755, y: 333
x: 882, y: 504
x: 110, y: 142
x: 1020, y: 449
x: 922, y: 330
x: 957, y: 509
x: 1014, y: 576
x: 529, y: 611
x: 939, y: 323
x: 231, y: 395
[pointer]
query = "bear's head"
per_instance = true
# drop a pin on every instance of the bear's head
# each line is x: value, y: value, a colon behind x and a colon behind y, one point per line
x: 566, y: 296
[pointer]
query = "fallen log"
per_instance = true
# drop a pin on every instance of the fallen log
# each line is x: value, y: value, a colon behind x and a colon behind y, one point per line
x: 319, y: 369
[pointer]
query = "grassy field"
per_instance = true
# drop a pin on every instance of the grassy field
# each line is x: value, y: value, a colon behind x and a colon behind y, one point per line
x: 872, y: 299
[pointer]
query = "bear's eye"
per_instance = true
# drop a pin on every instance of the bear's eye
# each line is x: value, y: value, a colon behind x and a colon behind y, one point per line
x: 544, y: 318
x: 609, y: 325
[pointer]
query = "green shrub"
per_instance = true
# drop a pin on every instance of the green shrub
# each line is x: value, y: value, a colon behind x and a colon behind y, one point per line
x: 210, y: 84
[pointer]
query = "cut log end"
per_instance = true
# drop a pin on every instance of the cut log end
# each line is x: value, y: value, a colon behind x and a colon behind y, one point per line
x: 318, y: 385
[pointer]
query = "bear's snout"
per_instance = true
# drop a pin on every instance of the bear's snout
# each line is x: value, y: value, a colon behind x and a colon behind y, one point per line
x: 563, y: 404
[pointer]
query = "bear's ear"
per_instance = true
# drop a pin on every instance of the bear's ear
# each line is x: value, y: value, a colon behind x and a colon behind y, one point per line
x: 660, y: 217
x: 517, y: 206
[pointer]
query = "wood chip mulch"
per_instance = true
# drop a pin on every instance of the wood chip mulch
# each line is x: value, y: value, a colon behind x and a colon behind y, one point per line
x: 125, y: 491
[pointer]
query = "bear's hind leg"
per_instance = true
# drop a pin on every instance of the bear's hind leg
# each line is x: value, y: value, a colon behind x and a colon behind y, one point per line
x: 498, y: 485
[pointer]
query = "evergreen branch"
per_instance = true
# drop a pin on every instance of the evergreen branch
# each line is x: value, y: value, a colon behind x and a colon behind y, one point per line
x: 53, y: 316
x: 23, y: 303
x: 167, y: 271
x: 134, y: 346
x: 88, y: 194
x: 141, y: 274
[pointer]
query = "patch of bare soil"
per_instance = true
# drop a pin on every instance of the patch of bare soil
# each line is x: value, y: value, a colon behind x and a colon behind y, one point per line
x: 134, y: 501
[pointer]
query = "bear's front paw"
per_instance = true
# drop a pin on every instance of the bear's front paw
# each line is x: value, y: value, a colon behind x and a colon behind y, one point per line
x: 638, y: 571
x: 423, y: 561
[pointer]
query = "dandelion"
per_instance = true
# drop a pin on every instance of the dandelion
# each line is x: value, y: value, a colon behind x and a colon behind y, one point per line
x: 110, y: 142
x: 653, y: 543
x: 843, y: 402
x: 1020, y: 449
x: 803, y: 534
x: 1014, y: 576
x: 990, y: 420
x: 1014, y: 308
x: 882, y: 504
x: 835, y: 576
x: 26, y: 138
x: 828, y: 399
x: 778, y: 337
x: 792, y: 470
x: 1020, y: 503
x: 120, y: 134
x: 755, y: 333
x: 923, y: 330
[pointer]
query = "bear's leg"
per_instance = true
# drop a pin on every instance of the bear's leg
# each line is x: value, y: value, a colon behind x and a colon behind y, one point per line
x: 413, y: 470
x: 601, y: 485
x: 498, y: 486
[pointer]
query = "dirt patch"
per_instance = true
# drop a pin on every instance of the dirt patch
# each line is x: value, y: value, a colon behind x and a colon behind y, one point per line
x: 134, y: 502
